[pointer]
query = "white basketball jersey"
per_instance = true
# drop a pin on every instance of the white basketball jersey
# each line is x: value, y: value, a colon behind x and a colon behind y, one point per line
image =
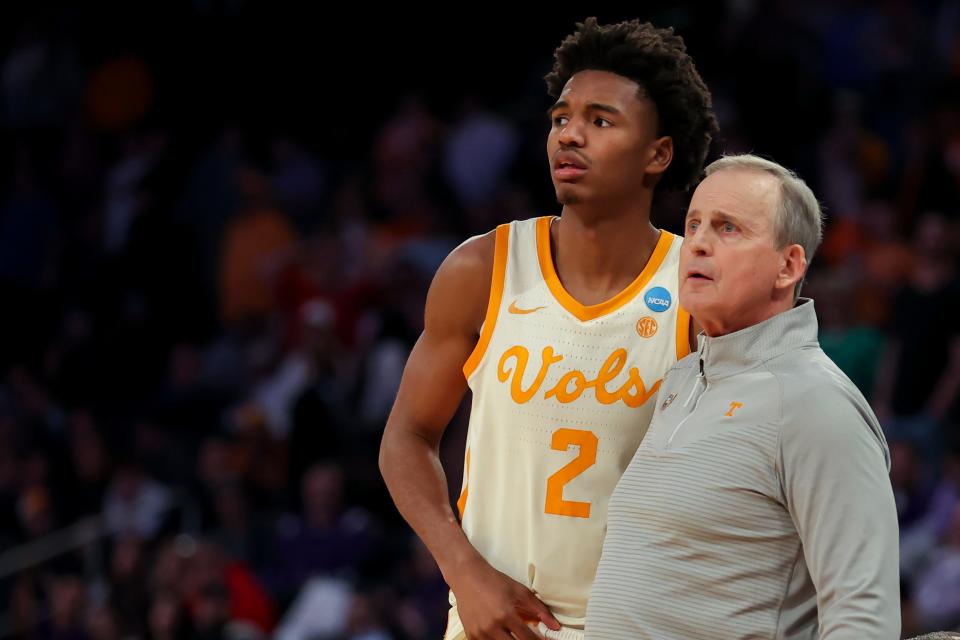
x: 562, y: 395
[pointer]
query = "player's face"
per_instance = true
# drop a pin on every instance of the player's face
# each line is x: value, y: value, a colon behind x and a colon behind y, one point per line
x: 729, y: 261
x: 603, y: 144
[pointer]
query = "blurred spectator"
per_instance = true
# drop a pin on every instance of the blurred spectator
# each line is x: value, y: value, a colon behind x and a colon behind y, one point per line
x: 404, y: 156
x: 912, y: 484
x: 326, y: 539
x: 854, y: 345
x: 223, y: 597
x: 9, y: 485
x: 41, y: 75
x: 120, y: 93
x: 211, y: 278
x: 319, y: 412
x: 238, y: 531
x: 128, y: 584
x: 321, y: 610
x: 91, y: 465
x: 135, y: 503
x: 938, y: 588
x: 125, y: 198
x: 253, y: 244
x: 65, y: 593
x: 478, y: 154
x: 166, y: 619
x: 918, y: 540
x: 298, y: 180
x: 102, y: 624
x: 920, y: 379
x: 35, y: 510
x: 423, y: 607
x: 364, y: 622
x: 29, y: 221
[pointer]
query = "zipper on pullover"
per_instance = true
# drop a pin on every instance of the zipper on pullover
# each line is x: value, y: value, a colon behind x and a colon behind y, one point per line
x: 701, y: 378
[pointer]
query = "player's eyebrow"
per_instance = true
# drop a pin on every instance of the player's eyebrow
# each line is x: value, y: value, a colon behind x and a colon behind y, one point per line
x: 559, y: 104
x: 592, y: 106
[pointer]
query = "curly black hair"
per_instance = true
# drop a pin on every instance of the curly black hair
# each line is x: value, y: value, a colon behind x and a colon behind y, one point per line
x: 657, y: 60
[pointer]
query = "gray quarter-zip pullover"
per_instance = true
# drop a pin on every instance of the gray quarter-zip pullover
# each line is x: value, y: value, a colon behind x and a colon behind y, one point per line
x: 758, y: 504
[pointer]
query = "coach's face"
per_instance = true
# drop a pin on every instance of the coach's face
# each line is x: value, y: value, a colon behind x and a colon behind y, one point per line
x: 732, y: 275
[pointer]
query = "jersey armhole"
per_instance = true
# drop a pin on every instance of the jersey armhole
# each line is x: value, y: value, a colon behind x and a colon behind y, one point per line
x: 683, y: 333
x: 501, y: 245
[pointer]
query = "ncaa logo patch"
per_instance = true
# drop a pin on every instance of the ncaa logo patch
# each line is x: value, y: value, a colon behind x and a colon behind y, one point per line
x: 658, y: 299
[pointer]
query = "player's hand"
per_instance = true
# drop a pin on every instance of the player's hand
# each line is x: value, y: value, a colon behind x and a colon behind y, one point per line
x: 492, y: 606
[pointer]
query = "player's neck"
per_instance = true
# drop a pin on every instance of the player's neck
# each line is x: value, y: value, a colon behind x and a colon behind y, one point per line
x: 597, y: 257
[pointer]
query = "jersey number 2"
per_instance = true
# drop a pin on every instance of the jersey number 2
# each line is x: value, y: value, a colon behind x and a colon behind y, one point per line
x: 563, y: 439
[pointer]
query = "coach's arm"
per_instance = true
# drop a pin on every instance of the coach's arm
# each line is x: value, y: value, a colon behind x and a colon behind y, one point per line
x: 834, y: 472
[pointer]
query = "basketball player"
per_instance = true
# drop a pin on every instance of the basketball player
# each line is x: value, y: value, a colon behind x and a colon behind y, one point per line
x: 562, y: 327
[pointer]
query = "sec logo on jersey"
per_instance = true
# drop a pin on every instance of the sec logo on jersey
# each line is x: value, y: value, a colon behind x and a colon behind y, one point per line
x: 646, y: 327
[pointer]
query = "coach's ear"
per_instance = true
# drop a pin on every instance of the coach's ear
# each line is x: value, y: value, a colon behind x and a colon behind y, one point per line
x: 793, y: 266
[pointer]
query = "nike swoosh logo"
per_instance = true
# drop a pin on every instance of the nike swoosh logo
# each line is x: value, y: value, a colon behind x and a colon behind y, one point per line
x: 513, y: 308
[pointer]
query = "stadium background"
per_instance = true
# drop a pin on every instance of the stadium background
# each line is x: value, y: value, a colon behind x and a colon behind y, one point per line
x: 218, y: 220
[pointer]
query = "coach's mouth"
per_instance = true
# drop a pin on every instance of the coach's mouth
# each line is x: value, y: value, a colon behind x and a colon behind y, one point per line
x: 698, y: 276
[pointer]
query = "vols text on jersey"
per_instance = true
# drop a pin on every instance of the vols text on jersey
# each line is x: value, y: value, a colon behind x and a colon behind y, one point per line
x: 633, y: 392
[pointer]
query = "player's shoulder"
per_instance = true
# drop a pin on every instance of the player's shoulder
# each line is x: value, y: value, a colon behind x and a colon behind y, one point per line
x: 474, y: 257
x: 676, y: 240
x: 461, y: 287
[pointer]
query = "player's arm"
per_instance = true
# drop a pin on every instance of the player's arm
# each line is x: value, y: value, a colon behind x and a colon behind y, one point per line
x: 430, y: 391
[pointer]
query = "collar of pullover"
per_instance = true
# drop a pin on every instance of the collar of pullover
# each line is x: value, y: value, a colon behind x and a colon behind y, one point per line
x: 739, y: 351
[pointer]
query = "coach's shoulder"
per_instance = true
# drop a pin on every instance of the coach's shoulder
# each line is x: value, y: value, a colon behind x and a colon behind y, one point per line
x: 823, y: 408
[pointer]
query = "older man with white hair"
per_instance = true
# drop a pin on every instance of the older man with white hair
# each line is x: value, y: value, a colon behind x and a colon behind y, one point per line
x: 758, y: 505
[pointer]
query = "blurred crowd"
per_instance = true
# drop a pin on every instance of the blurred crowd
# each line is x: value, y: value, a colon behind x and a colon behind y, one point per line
x: 202, y: 328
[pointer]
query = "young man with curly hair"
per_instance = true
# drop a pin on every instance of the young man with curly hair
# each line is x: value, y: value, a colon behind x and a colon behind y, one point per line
x: 562, y: 327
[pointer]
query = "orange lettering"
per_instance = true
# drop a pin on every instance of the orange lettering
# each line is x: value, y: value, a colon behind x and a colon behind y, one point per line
x: 519, y: 395
x: 572, y: 384
x: 640, y: 394
x: 562, y: 440
x: 560, y: 389
x: 610, y: 370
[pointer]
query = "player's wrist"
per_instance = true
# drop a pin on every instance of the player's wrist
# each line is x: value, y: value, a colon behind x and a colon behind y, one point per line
x: 460, y: 564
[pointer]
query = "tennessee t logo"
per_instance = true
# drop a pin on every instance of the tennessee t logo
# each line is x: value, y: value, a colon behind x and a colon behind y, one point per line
x: 733, y: 407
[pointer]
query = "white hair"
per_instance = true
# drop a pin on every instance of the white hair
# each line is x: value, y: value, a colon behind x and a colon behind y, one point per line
x: 798, y: 218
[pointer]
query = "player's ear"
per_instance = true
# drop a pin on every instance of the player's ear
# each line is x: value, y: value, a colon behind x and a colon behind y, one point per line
x: 661, y: 155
